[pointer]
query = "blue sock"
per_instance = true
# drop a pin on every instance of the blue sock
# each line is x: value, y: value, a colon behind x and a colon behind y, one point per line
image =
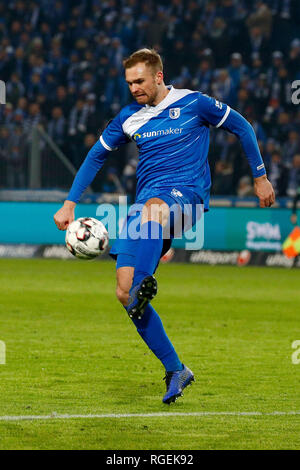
x: 151, y: 329
x: 149, y: 250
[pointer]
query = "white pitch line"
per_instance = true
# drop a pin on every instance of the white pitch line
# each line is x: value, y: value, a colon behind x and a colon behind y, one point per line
x: 199, y: 414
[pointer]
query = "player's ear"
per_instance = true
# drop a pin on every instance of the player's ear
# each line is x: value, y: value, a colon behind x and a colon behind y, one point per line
x: 159, y: 77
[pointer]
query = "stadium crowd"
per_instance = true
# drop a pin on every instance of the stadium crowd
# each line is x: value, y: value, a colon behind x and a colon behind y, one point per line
x: 61, y: 61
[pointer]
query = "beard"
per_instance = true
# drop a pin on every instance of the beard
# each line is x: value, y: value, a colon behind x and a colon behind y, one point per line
x: 146, y: 98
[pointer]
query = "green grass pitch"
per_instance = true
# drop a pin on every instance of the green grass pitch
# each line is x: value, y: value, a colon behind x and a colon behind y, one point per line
x: 71, y: 349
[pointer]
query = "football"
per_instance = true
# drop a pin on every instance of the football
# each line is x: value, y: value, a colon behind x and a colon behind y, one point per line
x: 86, y: 238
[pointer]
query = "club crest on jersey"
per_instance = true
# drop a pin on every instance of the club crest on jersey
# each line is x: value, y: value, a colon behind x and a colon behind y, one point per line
x: 174, y: 113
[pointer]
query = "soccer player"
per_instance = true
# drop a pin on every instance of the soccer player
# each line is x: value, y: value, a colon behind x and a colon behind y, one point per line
x: 171, y: 129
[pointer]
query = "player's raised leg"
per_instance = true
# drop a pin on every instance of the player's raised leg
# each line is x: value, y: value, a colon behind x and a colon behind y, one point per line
x: 124, y: 282
x: 154, y: 218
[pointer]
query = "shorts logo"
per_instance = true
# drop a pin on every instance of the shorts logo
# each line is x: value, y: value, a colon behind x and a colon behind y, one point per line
x: 174, y: 113
x: 175, y: 192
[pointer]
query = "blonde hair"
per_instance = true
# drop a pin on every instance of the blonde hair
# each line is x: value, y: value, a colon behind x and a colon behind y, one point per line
x: 148, y: 56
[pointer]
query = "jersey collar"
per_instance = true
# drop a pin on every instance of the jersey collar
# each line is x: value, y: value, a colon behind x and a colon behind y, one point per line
x: 161, y: 104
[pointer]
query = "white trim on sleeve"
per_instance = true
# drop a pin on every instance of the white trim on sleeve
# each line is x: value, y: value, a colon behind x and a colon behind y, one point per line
x: 224, y: 117
x: 107, y: 147
x: 260, y: 167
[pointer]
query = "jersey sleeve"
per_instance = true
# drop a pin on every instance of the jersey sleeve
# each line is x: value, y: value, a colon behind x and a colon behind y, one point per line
x: 88, y: 170
x: 113, y: 136
x: 238, y: 125
x: 212, y: 111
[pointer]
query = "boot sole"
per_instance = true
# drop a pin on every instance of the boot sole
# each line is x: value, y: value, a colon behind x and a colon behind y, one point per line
x: 145, y: 294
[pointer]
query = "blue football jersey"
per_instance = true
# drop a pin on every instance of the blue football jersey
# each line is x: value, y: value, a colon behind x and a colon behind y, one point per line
x: 173, y: 142
x: 172, y: 138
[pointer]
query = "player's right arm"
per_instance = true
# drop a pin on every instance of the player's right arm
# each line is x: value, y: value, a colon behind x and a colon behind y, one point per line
x: 112, y: 137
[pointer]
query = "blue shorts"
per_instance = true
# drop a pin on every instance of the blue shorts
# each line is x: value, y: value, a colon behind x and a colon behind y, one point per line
x: 182, y: 201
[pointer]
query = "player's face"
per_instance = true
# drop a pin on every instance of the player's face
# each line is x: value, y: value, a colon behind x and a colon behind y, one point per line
x: 143, y: 83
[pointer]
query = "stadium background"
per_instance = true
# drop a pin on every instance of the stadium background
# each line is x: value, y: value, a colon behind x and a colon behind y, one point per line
x: 62, y: 66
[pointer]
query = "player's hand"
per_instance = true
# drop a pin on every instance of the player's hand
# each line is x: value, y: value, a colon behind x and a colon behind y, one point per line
x: 264, y: 191
x: 65, y: 215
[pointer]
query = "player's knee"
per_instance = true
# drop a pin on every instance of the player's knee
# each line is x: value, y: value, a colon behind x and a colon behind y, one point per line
x: 122, y: 296
x: 155, y: 210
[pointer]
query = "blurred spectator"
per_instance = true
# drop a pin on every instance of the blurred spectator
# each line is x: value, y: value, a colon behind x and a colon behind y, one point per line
x: 22, y: 105
x: 4, y: 139
x: 62, y: 100
x: 77, y: 127
x: 8, y: 115
x: 203, y: 77
x: 278, y: 174
x: 78, y: 118
x: 222, y: 86
x: 14, y: 89
x: 231, y: 153
x: 155, y: 29
x: 128, y: 178
x: 277, y: 63
x: 258, y: 128
x: 284, y: 126
x: 93, y: 115
x: 294, y: 177
x: 35, y: 86
x: 219, y: 41
x: 296, y: 198
x: 19, y: 63
x: 291, y: 147
x: 256, y: 66
x: 177, y: 58
x: 245, y: 187
x: 293, y: 62
x: 237, y: 70
x: 14, y: 153
x: 112, y: 183
x: 286, y: 18
x: 33, y: 118
x: 243, y: 103
x: 223, y: 174
x: 257, y: 43
x: 261, y: 17
x: 261, y: 94
x: 270, y: 147
x: 57, y: 126
x: 116, y: 91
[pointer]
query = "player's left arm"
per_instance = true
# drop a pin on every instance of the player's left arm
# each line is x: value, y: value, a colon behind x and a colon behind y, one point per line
x: 238, y: 125
x: 218, y: 114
